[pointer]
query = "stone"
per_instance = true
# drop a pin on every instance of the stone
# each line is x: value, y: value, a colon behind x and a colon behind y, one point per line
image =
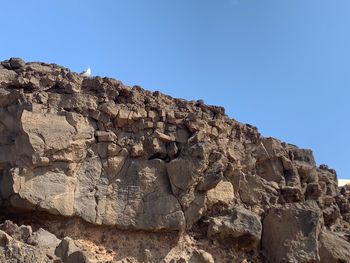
x: 51, y: 191
x: 201, y: 256
x: 333, y: 248
x: 241, y: 228
x: 331, y: 214
x: 211, y: 178
x: 115, y: 163
x: 172, y: 150
x: 16, y: 63
x: 182, y: 135
x: 182, y: 172
x: 143, y: 199
x: 163, y: 137
x: 123, y: 117
x: 137, y: 150
x: 69, y: 252
x: 7, y: 97
x: 291, y: 194
x: 113, y: 149
x: 103, y: 136
x: 21, y: 233
x: 87, y: 193
x: 46, y: 240
x: 153, y: 146
x: 254, y: 190
x: 313, y: 191
x: 271, y: 170
x: 12, y: 250
x: 153, y: 115
x: 291, y: 231
x: 222, y: 193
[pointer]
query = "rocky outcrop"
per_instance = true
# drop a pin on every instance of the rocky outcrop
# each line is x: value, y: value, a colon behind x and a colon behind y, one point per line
x: 110, y: 155
x: 21, y: 244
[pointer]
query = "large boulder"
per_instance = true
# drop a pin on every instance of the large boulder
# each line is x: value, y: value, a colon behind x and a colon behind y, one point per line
x: 241, y: 228
x: 333, y: 248
x: 291, y: 231
x: 45, y: 240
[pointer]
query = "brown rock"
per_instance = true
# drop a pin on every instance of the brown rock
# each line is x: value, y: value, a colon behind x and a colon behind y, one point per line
x: 112, y: 155
x: 242, y: 228
x: 333, y: 248
x: 290, y: 233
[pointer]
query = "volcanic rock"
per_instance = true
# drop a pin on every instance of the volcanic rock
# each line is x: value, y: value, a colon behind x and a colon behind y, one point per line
x: 129, y: 175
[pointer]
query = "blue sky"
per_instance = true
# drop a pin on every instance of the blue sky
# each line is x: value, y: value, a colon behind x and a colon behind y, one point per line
x: 282, y: 65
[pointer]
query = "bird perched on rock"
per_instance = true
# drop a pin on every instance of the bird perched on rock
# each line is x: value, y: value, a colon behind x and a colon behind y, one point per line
x: 86, y: 73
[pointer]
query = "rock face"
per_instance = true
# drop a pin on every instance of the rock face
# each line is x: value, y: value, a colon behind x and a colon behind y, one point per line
x: 115, y: 156
x: 242, y: 227
x: 290, y: 228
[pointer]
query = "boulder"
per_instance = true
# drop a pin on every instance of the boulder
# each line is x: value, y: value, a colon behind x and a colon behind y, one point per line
x: 242, y: 228
x: 70, y: 253
x: 16, y: 63
x: 223, y: 192
x: 45, y: 240
x: 291, y: 231
x: 333, y: 248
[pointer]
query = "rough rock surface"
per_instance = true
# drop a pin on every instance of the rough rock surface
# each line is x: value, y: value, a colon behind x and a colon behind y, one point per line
x: 290, y: 228
x: 180, y: 178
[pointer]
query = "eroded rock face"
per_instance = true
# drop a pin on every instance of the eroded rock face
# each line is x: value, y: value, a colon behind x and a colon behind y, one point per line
x: 241, y: 227
x: 131, y: 159
x: 290, y: 228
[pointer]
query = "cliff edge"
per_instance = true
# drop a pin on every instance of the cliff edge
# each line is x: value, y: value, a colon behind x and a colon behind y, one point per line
x: 92, y: 170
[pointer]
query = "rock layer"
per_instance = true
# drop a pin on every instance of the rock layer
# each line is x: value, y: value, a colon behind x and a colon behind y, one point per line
x: 124, y: 157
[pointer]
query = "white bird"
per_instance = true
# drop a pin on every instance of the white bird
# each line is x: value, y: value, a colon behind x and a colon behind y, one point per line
x: 86, y: 73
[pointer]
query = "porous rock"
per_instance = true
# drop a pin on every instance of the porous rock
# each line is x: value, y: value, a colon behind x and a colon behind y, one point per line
x: 290, y: 228
x: 110, y: 155
x: 241, y: 228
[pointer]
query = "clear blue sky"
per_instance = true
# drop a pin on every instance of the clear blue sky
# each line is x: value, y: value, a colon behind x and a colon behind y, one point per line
x: 282, y: 65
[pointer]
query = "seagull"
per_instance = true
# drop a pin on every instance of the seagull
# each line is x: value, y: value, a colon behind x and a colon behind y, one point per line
x: 86, y: 73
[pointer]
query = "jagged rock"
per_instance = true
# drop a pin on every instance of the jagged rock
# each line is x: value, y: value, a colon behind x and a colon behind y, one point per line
x: 242, y: 228
x: 222, y: 193
x: 16, y: 63
x: 12, y: 250
x: 254, y: 190
x: 291, y: 231
x: 103, y: 136
x: 21, y: 233
x: 70, y: 253
x: 44, y: 239
x: 331, y: 214
x: 333, y: 249
x: 122, y: 157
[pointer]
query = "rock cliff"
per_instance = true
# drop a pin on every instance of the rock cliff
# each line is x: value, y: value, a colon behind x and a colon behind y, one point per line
x: 92, y: 170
